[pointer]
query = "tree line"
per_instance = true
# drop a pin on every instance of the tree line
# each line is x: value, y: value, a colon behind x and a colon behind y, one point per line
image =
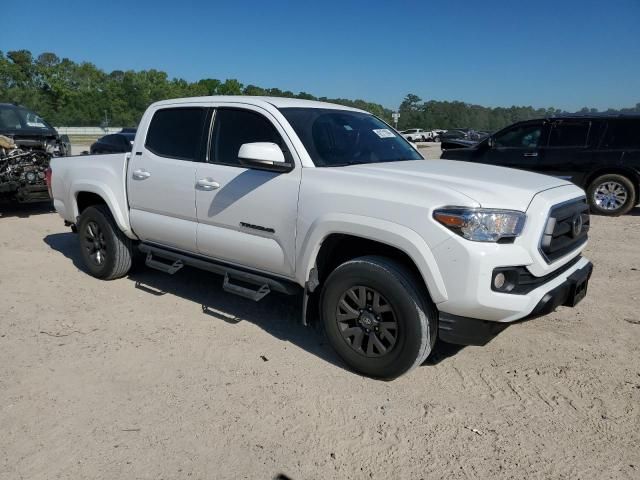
x: 80, y: 94
x: 416, y: 113
x: 68, y: 93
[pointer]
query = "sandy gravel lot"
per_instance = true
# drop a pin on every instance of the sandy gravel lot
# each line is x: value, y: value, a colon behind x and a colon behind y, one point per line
x: 154, y: 376
x: 430, y: 150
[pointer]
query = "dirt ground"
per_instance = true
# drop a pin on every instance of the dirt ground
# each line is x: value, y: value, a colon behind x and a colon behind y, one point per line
x: 155, y: 376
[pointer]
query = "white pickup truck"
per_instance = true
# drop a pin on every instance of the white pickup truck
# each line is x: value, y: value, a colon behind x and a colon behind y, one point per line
x: 420, y: 135
x: 329, y: 203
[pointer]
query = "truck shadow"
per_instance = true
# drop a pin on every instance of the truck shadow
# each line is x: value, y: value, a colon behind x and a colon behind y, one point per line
x: 24, y: 210
x: 278, y: 315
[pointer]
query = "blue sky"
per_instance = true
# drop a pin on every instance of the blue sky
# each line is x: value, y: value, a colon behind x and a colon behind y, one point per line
x: 563, y: 53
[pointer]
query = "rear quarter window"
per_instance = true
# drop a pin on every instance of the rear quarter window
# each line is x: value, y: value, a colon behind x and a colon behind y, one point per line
x: 623, y: 134
x: 177, y: 133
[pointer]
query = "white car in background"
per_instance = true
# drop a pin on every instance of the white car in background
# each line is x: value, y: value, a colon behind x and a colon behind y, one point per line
x: 420, y: 135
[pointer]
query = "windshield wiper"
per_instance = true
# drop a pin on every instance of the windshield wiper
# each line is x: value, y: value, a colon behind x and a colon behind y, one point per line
x: 345, y: 164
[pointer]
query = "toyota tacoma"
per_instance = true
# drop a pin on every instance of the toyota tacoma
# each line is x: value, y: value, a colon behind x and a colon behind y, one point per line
x: 387, y: 250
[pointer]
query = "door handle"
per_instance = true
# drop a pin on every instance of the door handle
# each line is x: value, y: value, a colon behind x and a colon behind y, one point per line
x: 530, y: 154
x: 141, y: 174
x: 207, y: 184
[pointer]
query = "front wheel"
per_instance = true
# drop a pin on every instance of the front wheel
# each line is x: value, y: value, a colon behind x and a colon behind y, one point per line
x: 611, y: 195
x: 105, y: 250
x: 378, y: 317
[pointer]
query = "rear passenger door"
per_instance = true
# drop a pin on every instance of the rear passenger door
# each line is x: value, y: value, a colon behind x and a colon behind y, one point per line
x: 247, y: 216
x: 161, y: 177
x: 620, y: 147
x: 569, y: 153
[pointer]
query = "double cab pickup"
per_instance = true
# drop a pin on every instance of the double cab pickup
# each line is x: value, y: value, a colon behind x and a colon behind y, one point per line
x: 387, y: 250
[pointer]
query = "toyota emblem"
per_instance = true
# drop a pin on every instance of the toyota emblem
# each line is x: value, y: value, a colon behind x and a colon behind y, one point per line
x: 576, y: 225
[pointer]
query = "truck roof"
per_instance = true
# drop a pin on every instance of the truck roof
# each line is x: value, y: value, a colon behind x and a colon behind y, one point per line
x: 278, y: 102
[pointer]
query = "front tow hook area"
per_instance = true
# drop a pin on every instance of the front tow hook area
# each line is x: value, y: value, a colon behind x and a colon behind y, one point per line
x: 473, y: 331
x: 569, y: 293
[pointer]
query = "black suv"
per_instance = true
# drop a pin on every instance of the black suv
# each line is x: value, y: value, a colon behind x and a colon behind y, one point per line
x: 599, y: 153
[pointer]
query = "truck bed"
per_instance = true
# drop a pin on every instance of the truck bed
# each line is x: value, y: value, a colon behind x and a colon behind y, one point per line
x: 104, y: 175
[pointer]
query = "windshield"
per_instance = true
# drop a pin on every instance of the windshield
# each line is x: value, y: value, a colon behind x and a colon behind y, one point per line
x: 337, y: 138
x: 16, y: 118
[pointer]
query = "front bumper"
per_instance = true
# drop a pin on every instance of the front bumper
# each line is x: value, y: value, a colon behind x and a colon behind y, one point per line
x: 467, y: 267
x: 471, y: 331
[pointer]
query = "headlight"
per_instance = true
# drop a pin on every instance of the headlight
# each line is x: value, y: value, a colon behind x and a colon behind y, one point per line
x: 480, y: 224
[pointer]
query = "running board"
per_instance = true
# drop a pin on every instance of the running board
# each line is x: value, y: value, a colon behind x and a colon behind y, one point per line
x: 169, y: 268
x: 255, y: 295
x: 172, y: 261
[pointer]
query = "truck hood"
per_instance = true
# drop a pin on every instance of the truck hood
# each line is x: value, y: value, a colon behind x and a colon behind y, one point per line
x: 487, y: 185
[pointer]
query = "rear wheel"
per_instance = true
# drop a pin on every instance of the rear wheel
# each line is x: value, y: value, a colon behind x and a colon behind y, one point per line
x: 377, y: 317
x: 611, y: 195
x: 105, y: 250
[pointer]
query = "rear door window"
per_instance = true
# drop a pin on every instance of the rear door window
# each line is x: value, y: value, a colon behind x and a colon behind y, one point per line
x: 569, y: 134
x: 177, y: 132
x: 622, y: 134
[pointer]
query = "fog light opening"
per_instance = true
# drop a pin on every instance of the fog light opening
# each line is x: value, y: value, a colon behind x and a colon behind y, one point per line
x: 499, y: 281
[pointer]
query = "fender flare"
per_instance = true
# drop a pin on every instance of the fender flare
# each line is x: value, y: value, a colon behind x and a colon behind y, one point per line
x: 389, y: 233
x: 91, y: 186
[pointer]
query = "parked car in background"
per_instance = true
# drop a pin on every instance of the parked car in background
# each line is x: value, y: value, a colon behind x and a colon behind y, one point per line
x: 600, y: 153
x: 329, y: 203
x: 27, y: 143
x: 419, y: 135
x: 461, y: 138
x: 114, y: 143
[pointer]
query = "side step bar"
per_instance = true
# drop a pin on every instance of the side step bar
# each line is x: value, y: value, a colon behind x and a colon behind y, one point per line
x: 170, y: 262
x: 169, y: 268
x: 255, y: 295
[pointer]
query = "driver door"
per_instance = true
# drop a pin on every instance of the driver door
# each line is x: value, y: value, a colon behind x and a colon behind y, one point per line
x: 517, y: 147
x: 247, y: 216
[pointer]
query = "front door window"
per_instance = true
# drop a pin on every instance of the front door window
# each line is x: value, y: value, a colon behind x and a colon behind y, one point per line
x: 522, y: 136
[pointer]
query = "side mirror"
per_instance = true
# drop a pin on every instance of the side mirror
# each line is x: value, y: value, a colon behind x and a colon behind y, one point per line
x: 263, y: 155
x: 490, y: 143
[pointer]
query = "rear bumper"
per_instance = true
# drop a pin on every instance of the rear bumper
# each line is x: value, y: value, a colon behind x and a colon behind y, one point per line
x: 471, y: 331
x: 25, y: 193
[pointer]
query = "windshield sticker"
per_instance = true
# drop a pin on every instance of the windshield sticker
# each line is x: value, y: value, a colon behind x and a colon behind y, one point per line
x: 383, y: 132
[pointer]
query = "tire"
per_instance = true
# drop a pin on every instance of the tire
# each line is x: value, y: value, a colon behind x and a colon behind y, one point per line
x: 105, y: 250
x: 611, y: 195
x: 400, y: 299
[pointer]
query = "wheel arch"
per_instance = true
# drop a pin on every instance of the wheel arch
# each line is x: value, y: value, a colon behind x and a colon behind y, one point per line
x: 338, y: 238
x: 87, y: 194
x: 633, y: 176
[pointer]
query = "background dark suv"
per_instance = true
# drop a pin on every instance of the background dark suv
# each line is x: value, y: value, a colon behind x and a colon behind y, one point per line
x: 598, y: 153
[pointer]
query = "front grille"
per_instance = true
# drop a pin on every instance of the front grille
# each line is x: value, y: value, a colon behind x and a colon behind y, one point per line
x: 566, y: 229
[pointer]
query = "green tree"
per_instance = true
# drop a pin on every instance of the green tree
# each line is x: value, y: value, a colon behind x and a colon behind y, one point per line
x: 70, y: 93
